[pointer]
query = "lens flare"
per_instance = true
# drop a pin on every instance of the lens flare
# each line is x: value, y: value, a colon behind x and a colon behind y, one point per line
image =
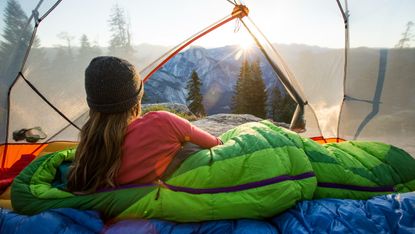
x: 244, y: 42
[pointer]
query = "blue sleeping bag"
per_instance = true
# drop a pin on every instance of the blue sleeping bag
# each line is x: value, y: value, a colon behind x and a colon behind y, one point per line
x: 393, y: 213
x: 62, y: 221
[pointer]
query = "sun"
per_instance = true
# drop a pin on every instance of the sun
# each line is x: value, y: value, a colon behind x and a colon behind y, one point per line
x: 244, y: 41
x: 245, y: 44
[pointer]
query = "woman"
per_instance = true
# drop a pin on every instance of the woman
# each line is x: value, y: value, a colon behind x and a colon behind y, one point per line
x: 118, y: 145
x: 260, y: 171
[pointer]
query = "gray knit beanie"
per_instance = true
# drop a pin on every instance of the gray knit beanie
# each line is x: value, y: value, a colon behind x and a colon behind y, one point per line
x: 112, y: 85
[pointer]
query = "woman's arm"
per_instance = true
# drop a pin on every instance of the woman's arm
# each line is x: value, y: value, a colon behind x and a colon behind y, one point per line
x: 187, y: 132
x: 202, y: 138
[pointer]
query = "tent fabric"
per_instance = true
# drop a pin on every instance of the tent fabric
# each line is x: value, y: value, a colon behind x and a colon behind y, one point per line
x: 243, y: 178
x: 7, y: 175
x: 15, y: 45
x: 373, y: 107
x: 358, y: 88
x: 394, y: 213
x: 17, y: 150
x: 349, y: 86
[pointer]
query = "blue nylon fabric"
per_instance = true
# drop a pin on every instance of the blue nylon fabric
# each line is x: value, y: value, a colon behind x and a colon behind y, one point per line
x: 62, y: 221
x: 242, y: 226
x: 393, y: 213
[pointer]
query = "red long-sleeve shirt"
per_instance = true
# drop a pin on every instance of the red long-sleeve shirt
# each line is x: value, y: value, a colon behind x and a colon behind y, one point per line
x: 152, y: 141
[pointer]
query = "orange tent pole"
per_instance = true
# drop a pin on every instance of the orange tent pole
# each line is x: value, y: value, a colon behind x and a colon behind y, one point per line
x: 239, y: 11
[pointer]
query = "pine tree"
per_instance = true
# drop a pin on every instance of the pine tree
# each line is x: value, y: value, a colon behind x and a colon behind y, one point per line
x: 64, y: 64
x: 282, y: 106
x: 258, y: 94
x: 289, y: 108
x: 15, y: 40
x: 276, y: 104
x: 250, y: 95
x: 87, y: 51
x: 239, y: 99
x: 67, y: 38
x: 407, y: 36
x: 16, y: 37
x: 195, y: 97
x: 120, y: 42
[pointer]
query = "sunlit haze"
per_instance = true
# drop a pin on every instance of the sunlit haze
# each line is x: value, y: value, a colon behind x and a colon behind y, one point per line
x: 158, y: 22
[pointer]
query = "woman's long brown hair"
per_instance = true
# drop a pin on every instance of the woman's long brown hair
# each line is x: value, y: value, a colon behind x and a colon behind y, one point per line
x: 98, y: 155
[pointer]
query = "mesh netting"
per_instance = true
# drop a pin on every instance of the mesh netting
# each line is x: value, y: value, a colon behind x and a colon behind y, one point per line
x: 306, y: 39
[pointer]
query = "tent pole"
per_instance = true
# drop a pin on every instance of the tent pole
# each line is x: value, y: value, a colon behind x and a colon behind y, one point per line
x: 239, y: 11
x: 297, y: 122
x: 345, y: 15
x: 34, y: 16
x: 183, y: 45
x: 6, y: 140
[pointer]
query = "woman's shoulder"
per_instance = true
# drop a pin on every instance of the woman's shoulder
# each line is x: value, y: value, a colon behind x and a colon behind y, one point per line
x: 156, y: 117
x: 160, y: 115
x: 152, y: 118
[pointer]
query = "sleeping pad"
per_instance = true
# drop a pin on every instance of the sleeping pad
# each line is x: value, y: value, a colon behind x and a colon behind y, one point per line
x: 260, y: 171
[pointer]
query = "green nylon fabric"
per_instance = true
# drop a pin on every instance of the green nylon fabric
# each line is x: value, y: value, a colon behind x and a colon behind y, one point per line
x: 32, y: 191
x: 366, y: 164
x: 251, y: 153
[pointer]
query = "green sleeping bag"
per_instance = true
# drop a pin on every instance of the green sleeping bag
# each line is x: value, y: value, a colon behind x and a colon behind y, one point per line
x: 260, y: 171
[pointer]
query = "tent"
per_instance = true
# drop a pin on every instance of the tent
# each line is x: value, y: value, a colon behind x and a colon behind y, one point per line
x: 347, y: 64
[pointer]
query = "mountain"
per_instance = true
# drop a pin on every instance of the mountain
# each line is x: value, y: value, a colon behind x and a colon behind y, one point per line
x: 218, y: 69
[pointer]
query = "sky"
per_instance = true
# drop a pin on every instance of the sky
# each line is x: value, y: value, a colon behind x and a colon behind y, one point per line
x: 374, y: 23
